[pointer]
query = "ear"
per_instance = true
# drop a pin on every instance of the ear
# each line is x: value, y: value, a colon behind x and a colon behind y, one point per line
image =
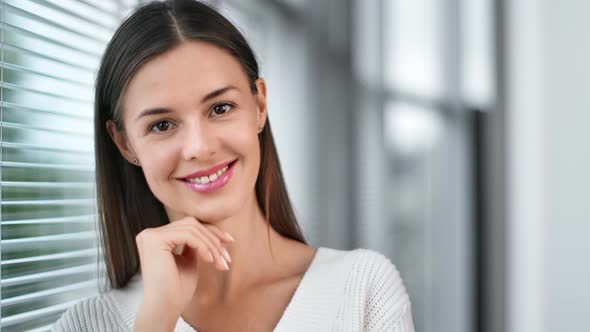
x: 261, y: 101
x: 121, y: 141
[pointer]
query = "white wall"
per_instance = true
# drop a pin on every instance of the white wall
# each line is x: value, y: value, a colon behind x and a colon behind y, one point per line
x: 548, y: 112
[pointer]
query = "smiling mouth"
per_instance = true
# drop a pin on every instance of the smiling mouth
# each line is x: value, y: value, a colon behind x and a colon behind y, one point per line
x: 211, y: 177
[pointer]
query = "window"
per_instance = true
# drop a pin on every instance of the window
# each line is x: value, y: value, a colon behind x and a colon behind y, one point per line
x: 415, y: 129
x: 49, y: 253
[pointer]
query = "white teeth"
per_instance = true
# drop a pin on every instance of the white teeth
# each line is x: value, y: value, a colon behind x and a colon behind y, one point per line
x: 210, y: 178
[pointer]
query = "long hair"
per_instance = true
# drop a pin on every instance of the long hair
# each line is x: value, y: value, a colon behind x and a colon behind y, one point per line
x: 125, y: 203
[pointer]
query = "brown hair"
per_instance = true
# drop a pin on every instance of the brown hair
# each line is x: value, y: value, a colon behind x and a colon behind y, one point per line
x: 126, y: 205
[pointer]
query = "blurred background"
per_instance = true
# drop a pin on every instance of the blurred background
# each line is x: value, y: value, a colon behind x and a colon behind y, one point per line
x: 448, y: 135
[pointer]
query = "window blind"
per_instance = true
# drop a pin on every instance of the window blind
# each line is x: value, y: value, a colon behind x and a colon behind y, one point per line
x: 49, y: 249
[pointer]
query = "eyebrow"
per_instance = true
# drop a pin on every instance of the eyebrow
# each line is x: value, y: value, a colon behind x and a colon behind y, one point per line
x: 209, y: 96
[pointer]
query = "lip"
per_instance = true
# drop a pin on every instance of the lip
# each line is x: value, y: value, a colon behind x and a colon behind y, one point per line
x: 207, y: 172
x: 212, y: 186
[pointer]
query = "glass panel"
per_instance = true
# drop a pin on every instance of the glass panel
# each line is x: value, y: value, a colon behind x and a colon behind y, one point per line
x: 413, y: 46
x: 477, y: 41
x: 367, y: 48
x: 412, y: 136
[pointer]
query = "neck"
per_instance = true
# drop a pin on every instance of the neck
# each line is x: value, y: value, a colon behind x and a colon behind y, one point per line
x: 252, y: 258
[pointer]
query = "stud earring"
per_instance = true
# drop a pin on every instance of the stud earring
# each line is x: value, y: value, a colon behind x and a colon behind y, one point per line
x: 260, y: 128
x: 135, y: 161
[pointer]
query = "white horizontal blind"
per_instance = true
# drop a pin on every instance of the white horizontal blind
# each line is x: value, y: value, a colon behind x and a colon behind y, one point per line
x: 50, y: 53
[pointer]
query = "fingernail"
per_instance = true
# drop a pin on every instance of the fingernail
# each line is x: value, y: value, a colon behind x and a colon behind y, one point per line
x: 178, y: 250
x: 226, y: 255
x: 229, y: 237
x: 225, y: 264
x: 210, y: 257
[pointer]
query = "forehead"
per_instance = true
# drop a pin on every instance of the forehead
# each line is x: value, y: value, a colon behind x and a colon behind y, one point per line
x: 188, y: 71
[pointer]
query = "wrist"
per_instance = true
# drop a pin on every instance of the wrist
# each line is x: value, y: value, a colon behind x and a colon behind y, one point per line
x: 154, y: 319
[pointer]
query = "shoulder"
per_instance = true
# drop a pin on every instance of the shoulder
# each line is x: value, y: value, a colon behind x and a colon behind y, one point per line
x: 91, y: 314
x: 387, y: 305
x: 376, y: 269
x: 375, y: 284
x: 365, y: 265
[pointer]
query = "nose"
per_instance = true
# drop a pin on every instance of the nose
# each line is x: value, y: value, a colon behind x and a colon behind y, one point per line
x: 198, y: 142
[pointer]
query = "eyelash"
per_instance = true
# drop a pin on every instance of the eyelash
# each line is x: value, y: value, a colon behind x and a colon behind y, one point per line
x: 152, y: 127
x: 222, y: 104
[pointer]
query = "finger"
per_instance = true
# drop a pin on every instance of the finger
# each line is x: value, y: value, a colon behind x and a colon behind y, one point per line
x: 211, y: 236
x: 214, y: 245
x: 192, y: 225
x: 180, y: 238
x: 225, y: 236
x: 214, y: 235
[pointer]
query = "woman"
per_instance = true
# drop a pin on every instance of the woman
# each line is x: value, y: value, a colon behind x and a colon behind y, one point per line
x: 198, y: 230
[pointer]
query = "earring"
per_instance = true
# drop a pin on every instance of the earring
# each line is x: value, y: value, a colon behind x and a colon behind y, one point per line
x: 260, y: 128
x: 135, y: 161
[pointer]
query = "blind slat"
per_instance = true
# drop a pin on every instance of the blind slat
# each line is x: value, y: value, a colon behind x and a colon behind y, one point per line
x: 111, y: 11
x: 7, y: 105
x: 5, y: 124
x: 48, y: 202
x: 55, y: 24
x: 24, y: 146
x: 44, y: 276
x: 85, y: 18
x: 48, y: 292
x: 49, y: 49
x: 73, y: 219
x: 21, y: 50
x: 9, y: 244
x: 31, y: 184
x: 47, y: 75
x: 51, y: 257
x: 35, y: 314
x: 45, y: 328
x: 16, y: 87
x: 18, y: 30
x: 68, y: 167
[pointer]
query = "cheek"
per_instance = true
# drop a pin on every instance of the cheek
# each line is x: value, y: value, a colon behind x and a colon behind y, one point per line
x: 243, y: 142
x: 158, y: 162
x: 248, y: 144
x: 253, y: 160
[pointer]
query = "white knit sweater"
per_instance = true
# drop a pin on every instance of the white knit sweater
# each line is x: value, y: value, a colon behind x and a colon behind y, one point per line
x: 358, y: 290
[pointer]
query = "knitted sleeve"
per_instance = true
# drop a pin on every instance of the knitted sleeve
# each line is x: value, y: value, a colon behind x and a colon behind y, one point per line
x: 388, y: 305
x: 89, y: 315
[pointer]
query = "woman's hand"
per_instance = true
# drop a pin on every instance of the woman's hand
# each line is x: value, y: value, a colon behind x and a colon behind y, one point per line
x: 169, y: 256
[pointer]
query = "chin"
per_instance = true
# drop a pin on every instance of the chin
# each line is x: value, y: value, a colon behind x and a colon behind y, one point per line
x: 211, y: 217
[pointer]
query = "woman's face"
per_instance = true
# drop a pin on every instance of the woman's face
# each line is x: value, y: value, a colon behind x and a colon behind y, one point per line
x: 185, y: 112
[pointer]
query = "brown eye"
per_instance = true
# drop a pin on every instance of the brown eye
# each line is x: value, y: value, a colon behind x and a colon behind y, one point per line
x: 161, y: 126
x: 221, y: 109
